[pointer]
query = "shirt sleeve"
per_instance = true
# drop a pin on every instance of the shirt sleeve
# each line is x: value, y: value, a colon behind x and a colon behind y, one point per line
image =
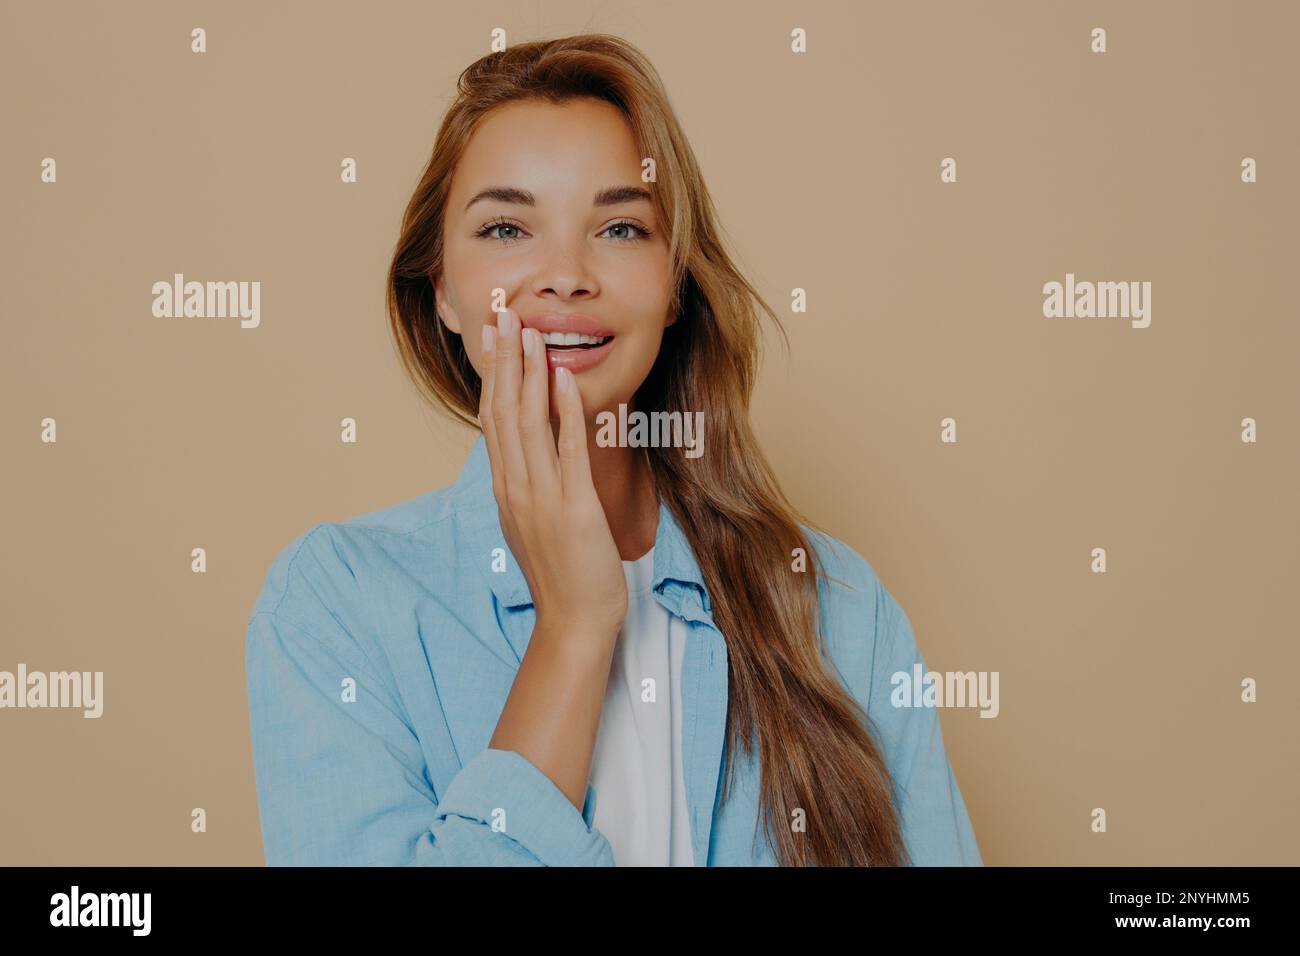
x: 936, y: 827
x: 341, y: 780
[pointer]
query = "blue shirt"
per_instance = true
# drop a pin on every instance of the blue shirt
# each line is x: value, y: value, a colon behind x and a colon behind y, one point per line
x: 382, y: 649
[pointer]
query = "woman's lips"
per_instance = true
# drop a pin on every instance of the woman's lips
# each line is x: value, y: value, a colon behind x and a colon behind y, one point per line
x: 578, y: 360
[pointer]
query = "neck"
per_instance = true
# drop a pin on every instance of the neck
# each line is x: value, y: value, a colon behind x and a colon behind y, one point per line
x: 625, y: 486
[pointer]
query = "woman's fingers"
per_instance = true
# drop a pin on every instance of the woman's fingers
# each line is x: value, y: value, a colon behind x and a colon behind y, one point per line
x: 571, y: 444
x: 485, y: 410
x: 507, y: 373
x: 535, y: 433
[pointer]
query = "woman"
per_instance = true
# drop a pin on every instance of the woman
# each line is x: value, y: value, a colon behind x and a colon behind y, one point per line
x: 585, y: 652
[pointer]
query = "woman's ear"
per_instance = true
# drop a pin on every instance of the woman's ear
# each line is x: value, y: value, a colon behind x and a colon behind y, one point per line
x: 445, y: 312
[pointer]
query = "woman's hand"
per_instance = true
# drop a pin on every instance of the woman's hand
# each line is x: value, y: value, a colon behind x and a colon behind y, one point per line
x: 550, y: 514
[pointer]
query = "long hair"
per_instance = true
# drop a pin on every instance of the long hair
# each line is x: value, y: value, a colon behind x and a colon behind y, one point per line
x: 816, y: 748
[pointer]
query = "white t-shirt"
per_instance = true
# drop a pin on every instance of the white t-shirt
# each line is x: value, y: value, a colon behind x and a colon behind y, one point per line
x: 636, y: 767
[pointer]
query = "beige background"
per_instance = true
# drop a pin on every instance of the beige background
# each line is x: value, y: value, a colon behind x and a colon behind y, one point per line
x: 1118, y: 690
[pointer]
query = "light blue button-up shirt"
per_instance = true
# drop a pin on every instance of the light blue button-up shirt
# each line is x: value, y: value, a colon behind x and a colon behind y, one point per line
x: 382, y: 649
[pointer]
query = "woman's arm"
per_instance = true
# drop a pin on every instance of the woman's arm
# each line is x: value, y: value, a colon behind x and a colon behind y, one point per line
x: 557, y: 530
x: 341, y: 779
x: 936, y: 827
x: 553, y: 712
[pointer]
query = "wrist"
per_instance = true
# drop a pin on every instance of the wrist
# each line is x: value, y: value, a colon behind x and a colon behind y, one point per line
x: 578, y: 633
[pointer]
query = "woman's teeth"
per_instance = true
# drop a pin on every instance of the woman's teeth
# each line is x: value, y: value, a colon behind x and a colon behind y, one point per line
x: 573, y: 339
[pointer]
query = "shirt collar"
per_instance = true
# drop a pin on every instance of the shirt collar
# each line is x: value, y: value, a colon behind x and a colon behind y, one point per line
x: 678, y: 582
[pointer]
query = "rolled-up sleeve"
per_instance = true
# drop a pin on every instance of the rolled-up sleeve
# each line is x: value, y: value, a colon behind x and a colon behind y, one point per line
x: 341, y: 780
x: 936, y: 827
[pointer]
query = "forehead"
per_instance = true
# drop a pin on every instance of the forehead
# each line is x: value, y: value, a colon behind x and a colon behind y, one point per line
x: 553, y: 150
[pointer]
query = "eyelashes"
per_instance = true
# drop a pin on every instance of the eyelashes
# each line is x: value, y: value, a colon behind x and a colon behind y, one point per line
x: 485, y: 232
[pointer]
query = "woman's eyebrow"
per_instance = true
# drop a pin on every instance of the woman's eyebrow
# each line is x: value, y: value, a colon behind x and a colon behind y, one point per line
x: 609, y: 196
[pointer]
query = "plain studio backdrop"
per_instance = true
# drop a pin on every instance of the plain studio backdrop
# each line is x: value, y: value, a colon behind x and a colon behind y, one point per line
x: 1119, y: 690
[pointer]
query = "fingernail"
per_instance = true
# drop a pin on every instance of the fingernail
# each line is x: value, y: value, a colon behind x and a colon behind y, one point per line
x: 503, y: 321
x: 562, y: 379
x: 489, y: 337
x: 530, y: 341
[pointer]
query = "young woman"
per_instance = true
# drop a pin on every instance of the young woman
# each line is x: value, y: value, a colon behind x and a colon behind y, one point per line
x: 585, y: 651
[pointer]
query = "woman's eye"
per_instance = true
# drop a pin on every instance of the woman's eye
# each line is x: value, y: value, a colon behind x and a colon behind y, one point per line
x: 487, y: 231
x: 643, y: 232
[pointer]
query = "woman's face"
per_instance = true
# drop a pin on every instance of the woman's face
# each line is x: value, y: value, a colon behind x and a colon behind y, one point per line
x: 556, y: 243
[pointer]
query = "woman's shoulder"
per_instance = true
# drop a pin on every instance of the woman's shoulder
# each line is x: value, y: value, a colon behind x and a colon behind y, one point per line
x: 847, y: 572
x: 863, y: 623
x: 340, y: 560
